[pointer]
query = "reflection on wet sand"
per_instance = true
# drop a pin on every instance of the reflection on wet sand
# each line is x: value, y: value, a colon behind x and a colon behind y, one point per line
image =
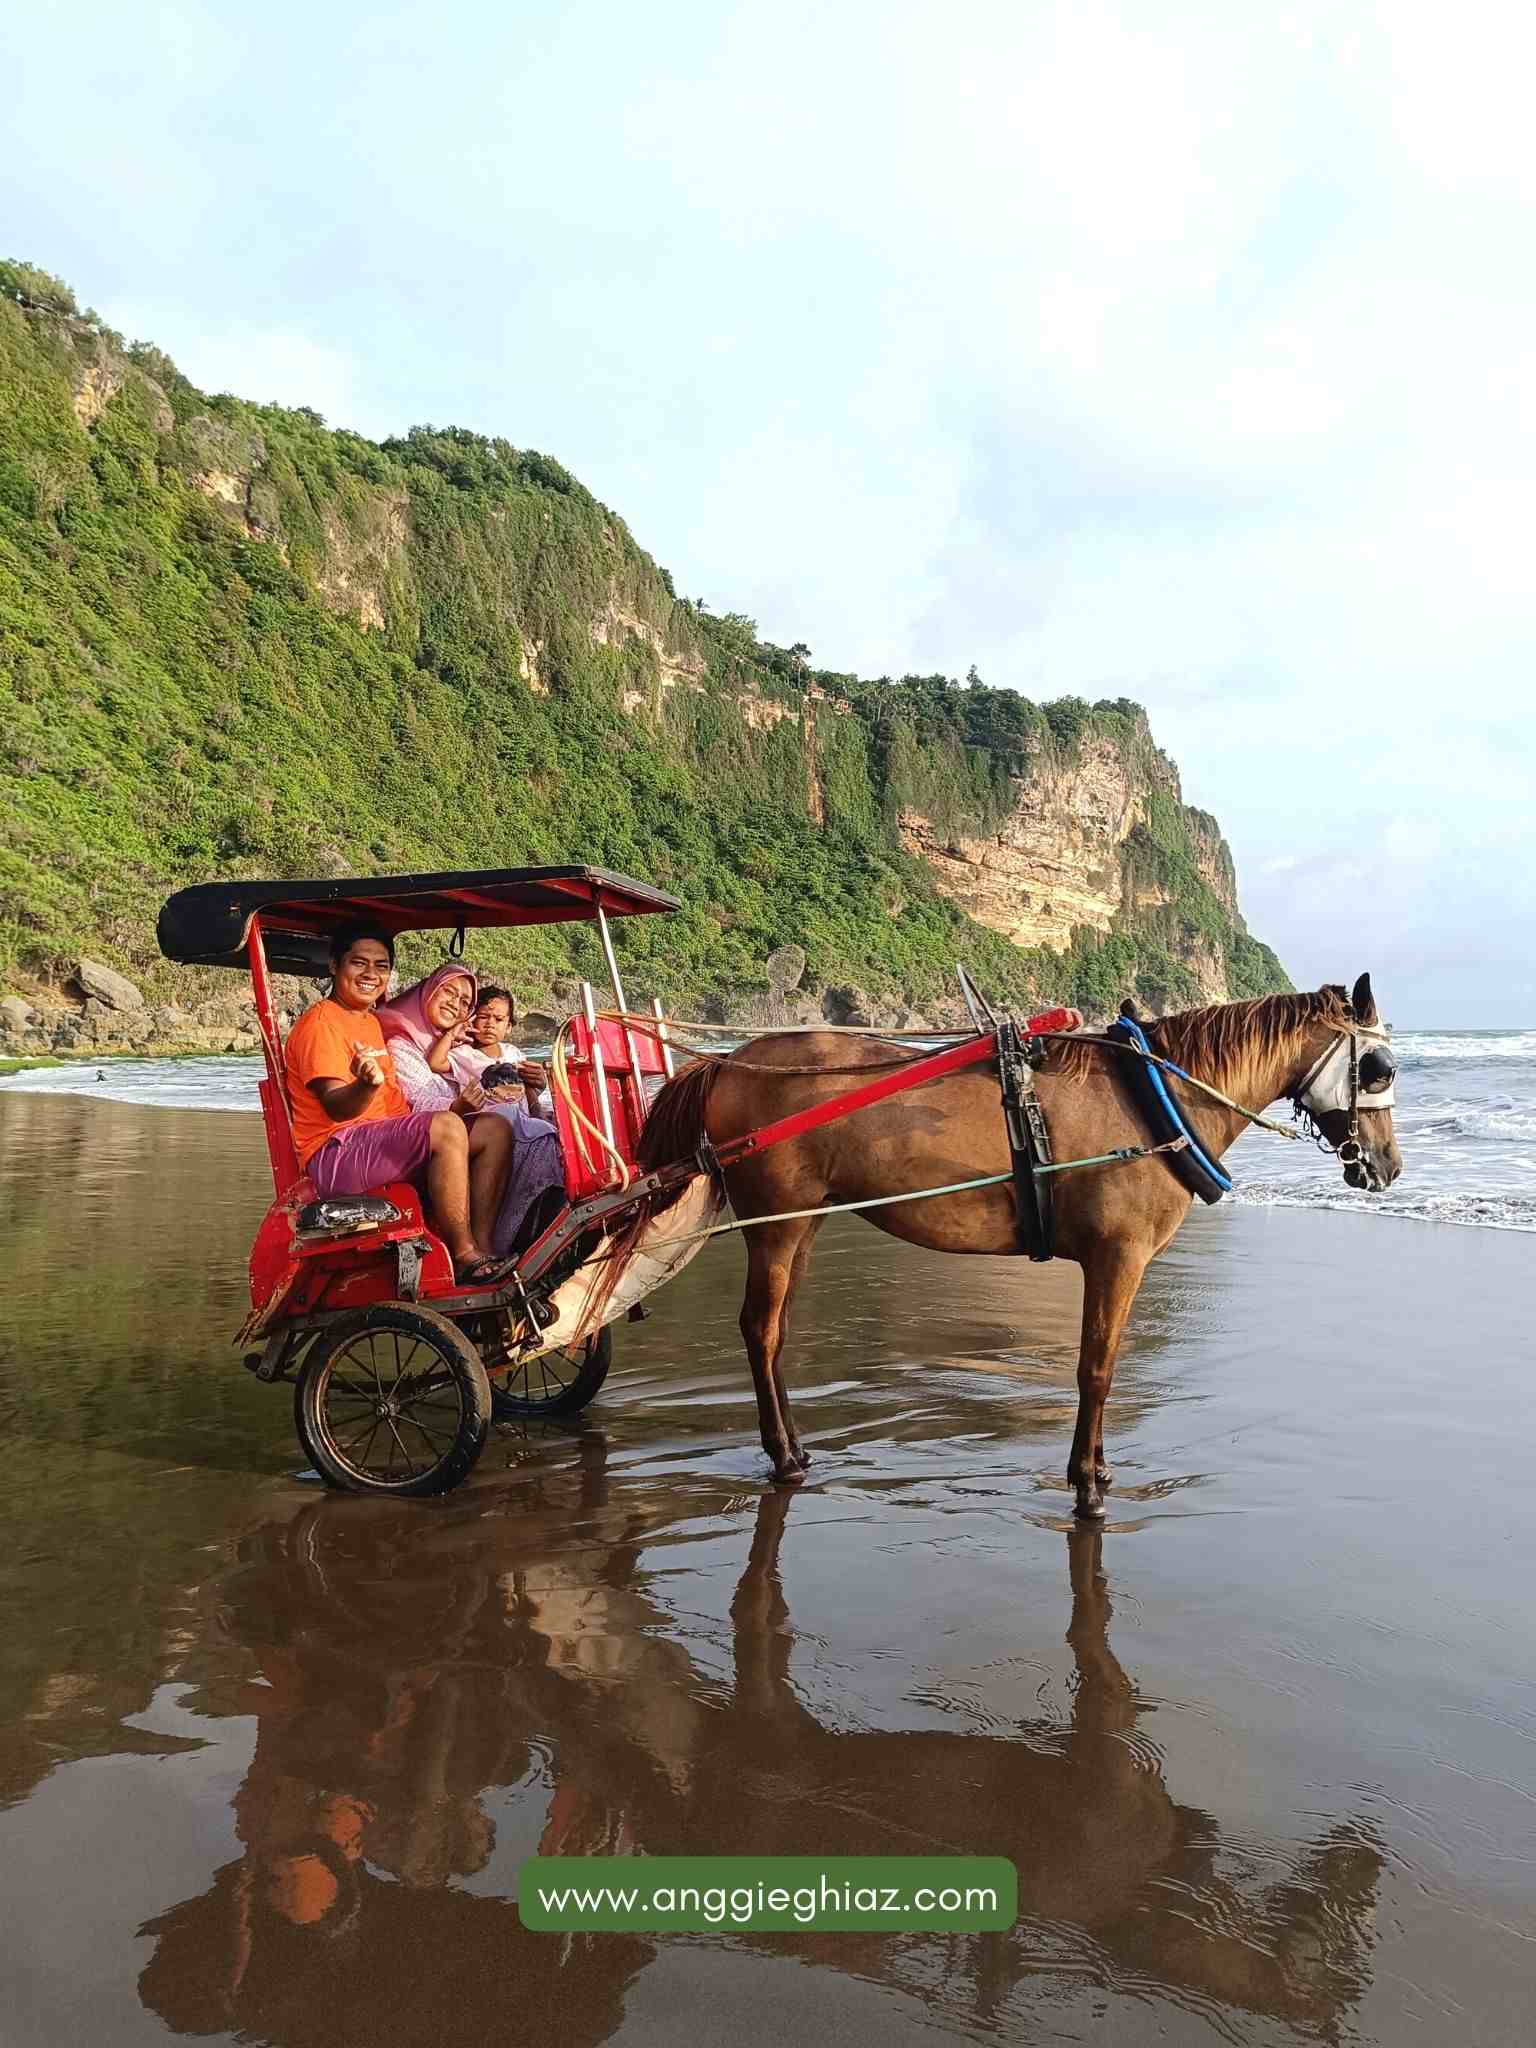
x: 308, y: 1761
x: 408, y: 1668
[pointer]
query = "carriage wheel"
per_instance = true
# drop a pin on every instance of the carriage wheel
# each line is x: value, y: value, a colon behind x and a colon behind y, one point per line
x: 393, y: 1400
x: 557, y: 1382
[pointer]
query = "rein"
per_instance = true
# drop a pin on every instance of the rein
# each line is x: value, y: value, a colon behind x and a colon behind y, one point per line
x: 897, y: 1075
x: 1157, y: 1059
x: 658, y: 1029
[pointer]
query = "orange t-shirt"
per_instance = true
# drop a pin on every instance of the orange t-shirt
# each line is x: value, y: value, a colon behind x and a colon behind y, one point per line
x: 321, y: 1047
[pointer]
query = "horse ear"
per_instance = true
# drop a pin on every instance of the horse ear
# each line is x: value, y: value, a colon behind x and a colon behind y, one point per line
x: 1362, y: 1002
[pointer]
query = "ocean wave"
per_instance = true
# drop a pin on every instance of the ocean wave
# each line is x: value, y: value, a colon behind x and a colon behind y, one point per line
x: 218, y: 1082
x: 1486, y: 1048
x: 1492, y: 1211
x: 1451, y: 1123
x: 1504, y: 1121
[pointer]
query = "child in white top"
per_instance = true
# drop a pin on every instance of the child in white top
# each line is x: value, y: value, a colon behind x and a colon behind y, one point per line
x: 489, y: 1023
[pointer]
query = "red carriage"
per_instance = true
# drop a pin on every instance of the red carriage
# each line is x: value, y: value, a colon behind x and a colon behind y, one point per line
x: 397, y: 1369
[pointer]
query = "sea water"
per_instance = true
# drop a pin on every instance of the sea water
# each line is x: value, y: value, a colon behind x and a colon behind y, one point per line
x: 1465, y: 1120
x: 1466, y: 1126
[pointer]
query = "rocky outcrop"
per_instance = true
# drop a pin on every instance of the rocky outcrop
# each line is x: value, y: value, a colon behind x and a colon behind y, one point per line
x: 104, y: 1023
x: 17, y: 1017
x: 362, y: 557
x: 675, y: 668
x: 1073, y: 854
x: 100, y: 372
x: 1053, y: 865
x: 103, y: 985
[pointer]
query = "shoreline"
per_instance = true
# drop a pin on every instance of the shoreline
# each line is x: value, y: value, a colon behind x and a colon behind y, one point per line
x: 1251, y: 1196
x: 26, y: 1063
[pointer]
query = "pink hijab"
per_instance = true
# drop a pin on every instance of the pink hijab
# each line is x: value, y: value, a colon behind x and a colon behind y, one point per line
x: 406, y: 1018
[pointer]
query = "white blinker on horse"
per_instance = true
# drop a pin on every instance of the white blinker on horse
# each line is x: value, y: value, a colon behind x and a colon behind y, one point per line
x: 1334, y: 1081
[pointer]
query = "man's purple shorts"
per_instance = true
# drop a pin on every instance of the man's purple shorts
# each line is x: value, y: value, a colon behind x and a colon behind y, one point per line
x: 370, y: 1155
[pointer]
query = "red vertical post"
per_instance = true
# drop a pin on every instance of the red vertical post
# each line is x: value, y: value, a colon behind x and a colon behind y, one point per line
x: 274, y: 1097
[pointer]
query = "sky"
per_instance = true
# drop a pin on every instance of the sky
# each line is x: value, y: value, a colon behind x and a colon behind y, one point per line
x: 1185, y: 353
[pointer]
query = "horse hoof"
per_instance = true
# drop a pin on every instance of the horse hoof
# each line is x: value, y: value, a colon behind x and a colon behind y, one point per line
x: 1089, y: 1508
x: 801, y: 1458
x: 788, y: 1475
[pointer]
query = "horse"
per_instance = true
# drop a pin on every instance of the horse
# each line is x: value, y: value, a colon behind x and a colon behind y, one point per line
x: 1324, y: 1049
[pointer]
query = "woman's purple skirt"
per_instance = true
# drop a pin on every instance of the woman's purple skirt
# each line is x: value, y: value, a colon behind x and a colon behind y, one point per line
x: 535, y: 1167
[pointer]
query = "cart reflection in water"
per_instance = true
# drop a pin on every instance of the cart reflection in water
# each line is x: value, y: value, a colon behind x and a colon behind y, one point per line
x: 411, y: 1676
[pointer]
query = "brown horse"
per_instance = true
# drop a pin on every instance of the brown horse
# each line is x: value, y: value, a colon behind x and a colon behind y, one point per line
x: 1111, y: 1220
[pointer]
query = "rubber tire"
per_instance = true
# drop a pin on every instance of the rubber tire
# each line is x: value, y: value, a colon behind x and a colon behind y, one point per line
x: 461, y: 1359
x: 515, y: 1408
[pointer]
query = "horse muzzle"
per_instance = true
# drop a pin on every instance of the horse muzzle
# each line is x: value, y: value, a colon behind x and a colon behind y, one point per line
x: 1370, y: 1174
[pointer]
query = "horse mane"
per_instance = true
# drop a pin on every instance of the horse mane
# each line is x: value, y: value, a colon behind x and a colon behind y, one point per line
x: 1221, y: 1042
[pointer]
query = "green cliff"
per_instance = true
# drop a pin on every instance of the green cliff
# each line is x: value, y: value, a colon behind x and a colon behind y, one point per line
x: 233, y: 641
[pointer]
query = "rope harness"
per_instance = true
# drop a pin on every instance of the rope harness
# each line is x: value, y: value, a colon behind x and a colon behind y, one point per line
x: 1333, y: 1082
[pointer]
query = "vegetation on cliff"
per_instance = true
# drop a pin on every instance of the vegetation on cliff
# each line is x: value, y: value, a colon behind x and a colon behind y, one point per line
x: 233, y: 641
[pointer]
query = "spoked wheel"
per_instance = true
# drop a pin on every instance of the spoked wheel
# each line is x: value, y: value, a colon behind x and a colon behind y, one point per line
x: 393, y: 1400
x: 557, y: 1382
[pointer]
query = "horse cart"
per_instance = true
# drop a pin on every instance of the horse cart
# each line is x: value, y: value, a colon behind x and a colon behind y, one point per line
x: 397, y: 1370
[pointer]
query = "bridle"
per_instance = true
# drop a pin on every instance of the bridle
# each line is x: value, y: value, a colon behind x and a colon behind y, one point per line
x: 1332, y: 1082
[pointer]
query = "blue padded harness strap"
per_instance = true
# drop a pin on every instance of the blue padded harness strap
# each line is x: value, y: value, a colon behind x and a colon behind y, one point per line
x: 1194, y: 1166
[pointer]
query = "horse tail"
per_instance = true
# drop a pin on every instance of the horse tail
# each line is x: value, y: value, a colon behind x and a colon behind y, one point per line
x: 673, y: 1131
x: 675, y: 1127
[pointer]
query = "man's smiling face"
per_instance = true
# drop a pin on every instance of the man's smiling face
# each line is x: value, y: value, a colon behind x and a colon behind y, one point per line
x: 362, y: 974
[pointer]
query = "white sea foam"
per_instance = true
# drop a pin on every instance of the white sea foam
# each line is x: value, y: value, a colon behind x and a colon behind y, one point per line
x: 216, y: 1083
x: 1482, y: 1046
x: 1488, y: 1211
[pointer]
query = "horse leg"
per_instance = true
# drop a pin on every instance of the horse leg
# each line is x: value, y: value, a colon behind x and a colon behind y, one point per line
x: 771, y: 1260
x: 1110, y: 1284
x: 802, y: 1259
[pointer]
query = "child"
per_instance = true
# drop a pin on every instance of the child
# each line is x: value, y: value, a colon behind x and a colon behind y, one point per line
x: 490, y: 1028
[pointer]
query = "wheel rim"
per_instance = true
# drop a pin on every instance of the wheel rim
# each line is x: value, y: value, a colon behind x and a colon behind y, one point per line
x: 546, y: 1378
x: 387, y: 1407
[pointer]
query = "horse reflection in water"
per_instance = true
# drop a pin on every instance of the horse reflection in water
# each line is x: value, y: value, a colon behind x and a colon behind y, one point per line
x: 409, y: 1664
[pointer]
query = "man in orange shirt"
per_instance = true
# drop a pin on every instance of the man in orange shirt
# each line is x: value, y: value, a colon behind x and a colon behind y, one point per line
x: 354, y: 1129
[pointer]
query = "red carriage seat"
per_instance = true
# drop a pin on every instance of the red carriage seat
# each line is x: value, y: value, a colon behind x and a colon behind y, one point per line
x: 588, y: 1167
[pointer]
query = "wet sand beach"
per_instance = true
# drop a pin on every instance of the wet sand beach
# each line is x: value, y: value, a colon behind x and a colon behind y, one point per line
x: 1263, y: 1748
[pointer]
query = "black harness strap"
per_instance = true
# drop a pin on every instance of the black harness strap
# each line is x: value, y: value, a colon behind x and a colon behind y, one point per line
x: 1029, y: 1143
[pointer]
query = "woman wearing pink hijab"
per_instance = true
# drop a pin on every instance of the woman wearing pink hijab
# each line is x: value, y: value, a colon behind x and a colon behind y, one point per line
x: 426, y: 1028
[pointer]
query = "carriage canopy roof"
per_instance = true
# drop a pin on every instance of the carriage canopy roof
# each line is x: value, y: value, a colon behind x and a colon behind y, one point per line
x: 208, y: 924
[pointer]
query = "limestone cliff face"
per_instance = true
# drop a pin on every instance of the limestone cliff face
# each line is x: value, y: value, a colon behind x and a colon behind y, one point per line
x: 1068, y: 858
x: 1053, y: 864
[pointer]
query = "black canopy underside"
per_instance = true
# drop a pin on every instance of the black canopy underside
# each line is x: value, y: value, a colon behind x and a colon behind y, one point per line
x: 208, y: 924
